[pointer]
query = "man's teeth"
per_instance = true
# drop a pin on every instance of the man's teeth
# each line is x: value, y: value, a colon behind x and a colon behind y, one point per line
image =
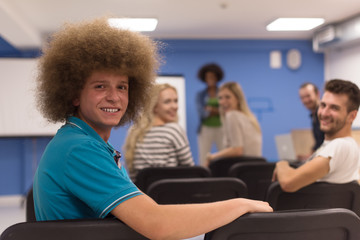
x: 112, y: 110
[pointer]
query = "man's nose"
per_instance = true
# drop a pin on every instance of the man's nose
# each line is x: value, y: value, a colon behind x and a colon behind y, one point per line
x: 324, y: 111
x: 112, y: 94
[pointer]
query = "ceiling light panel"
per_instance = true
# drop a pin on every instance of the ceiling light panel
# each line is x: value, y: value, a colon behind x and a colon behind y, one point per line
x: 134, y: 24
x: 294, y: 24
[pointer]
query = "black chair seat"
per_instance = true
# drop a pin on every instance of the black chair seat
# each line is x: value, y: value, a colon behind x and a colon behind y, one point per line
x: 196, y: 190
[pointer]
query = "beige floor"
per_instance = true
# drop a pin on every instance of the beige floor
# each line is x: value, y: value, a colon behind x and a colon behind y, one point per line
x: 12, y: 211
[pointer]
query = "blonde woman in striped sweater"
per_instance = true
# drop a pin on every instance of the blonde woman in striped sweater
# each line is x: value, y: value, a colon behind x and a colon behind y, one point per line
x: 157, y: 140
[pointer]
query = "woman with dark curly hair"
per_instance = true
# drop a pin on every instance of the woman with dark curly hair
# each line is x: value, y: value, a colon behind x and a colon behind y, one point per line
x: 209, y: 130
x: 94, y: 77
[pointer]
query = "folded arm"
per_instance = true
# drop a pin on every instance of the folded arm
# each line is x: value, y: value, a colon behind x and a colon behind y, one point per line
x: 291, y: 179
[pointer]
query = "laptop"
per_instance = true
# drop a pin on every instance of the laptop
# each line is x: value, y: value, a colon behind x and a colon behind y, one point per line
x: 285, y: 147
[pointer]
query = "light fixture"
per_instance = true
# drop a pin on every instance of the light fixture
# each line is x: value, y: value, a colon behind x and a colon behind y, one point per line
x: 294, y: 24
x: 134, y: 24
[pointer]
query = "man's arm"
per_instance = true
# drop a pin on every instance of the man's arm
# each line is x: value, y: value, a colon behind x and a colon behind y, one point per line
x: 182, y: 221
x: 291, y: 179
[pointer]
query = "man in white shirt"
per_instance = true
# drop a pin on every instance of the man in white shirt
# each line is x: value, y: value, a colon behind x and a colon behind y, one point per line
x: 337, y: 159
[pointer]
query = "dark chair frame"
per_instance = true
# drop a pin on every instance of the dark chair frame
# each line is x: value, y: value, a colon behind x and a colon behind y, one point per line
x: 329, y: 224
x: 29, y: 206
x: 220, y: 167
x: 91, y: 229
x: 149, y: 175
x: 315, y: 196
x: 196, y: 190
x: 256, y: 175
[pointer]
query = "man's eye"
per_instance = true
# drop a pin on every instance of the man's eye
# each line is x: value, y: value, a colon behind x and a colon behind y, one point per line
x: 123, y: 87
x: 99, y: 86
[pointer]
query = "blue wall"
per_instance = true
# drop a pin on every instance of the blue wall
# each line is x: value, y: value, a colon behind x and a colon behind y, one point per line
x: 272, y: 95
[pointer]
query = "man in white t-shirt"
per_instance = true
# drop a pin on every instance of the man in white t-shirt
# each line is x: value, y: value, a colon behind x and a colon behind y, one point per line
x: 337, y: 159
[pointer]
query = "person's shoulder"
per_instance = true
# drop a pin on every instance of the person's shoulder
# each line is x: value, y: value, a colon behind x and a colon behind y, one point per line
x: 78, y: 138
x: 174, y: 125
x: 234, y: 114
x: 344, y: 142
x: 202, y: 91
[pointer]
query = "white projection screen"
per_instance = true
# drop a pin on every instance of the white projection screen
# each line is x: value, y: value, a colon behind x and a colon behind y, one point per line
x: 19, y: 115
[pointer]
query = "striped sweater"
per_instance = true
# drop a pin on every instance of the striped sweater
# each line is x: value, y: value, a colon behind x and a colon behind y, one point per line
x: 162, y: 146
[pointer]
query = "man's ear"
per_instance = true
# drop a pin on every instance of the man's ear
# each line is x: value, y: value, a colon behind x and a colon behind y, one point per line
x: 76, y: 102
x: 352, y: 115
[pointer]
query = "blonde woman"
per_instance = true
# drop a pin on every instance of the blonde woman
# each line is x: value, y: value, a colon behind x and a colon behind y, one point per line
x: 241, y: 128
x: 157, y: 140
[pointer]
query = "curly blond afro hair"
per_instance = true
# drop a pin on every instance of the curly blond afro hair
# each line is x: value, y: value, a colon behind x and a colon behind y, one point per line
x: 78, y: 50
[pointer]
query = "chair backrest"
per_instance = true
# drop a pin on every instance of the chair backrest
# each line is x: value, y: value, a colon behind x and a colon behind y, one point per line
x: 220, y: 167
x: 30, y: 209
x: 196, y: 190
x: 316, y: 195
x: 94, y: 229
x: 329, y: 224
x: 256, y: 175
x: 149, y: 175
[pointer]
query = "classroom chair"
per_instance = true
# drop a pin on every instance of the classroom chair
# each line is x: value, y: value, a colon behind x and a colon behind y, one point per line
x: 316, y: 195
x: 196, y: 190
x: 220, y: 167
x: 257, y: 176
x: 29, y: 207
x: 325, y: 224
x: 149, y: 175
x: 91, y: 229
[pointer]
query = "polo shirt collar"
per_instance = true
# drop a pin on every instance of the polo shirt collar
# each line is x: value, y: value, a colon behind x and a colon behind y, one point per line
x: 87, y: 130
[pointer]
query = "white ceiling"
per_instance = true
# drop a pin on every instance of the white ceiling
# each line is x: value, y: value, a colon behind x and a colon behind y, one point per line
x: 24, y: 23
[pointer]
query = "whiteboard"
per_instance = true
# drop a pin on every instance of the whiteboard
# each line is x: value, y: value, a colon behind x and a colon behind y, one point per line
x: 19, y: 116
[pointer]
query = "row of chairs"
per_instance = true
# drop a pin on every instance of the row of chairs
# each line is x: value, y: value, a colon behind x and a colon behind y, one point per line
x: 251, y: 179
x: 254, y: 171
x: 332, y: 221
x: 318, y: 195
x: 329, y: 224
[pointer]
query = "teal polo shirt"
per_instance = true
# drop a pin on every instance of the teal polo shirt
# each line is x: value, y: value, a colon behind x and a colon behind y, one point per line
x: 77, y: 176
